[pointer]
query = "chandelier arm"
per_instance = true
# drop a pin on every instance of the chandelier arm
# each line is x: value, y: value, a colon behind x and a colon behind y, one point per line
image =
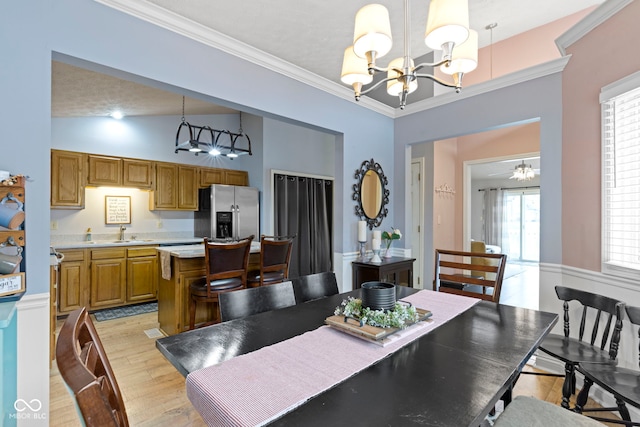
x: 377, y: 85
x: 437, y: 80
x: 430, y: 64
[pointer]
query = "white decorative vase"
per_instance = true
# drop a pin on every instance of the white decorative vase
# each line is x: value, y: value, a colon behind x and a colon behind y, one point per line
x: 387, y: 252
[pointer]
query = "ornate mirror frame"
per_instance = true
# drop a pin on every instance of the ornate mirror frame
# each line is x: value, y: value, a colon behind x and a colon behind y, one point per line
x: 371, y: 165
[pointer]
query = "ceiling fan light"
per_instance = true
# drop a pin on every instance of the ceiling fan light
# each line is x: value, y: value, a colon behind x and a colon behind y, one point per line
x: 354, y: 69
x: 464, y: 58
x: 395, y: 86
x: 372, y: 32
x: 447, y: 22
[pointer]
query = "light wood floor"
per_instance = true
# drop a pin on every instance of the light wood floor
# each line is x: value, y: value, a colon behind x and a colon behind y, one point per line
x: 154, y: 391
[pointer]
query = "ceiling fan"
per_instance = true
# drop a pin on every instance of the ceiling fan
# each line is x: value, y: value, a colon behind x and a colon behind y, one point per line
x: 522, y: 171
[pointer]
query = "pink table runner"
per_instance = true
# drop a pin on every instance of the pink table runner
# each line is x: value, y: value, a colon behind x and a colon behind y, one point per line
x: 258, y: 387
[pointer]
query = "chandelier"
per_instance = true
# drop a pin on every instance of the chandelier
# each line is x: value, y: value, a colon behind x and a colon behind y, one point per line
x: 205, y: 139
x: 447, y: 30
x: 523, y: 172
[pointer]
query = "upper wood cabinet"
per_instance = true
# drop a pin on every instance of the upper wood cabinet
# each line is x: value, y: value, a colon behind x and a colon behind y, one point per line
x: 233, y: 177
x: 67, y: 179
x: 210, y: 176
x: 137, y: 173
x: 176, y: 188
x: 117, y: 172
x: 104, y: 170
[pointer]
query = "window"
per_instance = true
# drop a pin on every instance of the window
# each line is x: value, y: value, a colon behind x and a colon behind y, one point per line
x: 620, y: 103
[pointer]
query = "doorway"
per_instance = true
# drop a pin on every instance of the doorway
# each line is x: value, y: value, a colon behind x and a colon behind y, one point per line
x: 521, y: 225
x: 417, y: 218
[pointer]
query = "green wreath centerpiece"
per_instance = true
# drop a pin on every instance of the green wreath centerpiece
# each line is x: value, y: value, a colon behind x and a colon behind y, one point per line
x: 402, y: 315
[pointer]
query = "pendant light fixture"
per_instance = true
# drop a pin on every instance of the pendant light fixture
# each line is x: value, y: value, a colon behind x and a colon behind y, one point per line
x: 205, y: 139
x: 447, y: 30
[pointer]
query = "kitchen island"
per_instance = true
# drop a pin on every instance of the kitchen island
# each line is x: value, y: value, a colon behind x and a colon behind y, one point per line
x: 178, y: 267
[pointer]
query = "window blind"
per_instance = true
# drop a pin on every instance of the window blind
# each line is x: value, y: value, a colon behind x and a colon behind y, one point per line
x: 621, y: 182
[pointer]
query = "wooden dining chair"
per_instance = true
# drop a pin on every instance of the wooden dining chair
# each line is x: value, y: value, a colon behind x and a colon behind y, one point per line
x: 622, y: 383
x: 525, y: 411
x: 84, y: 367
x: 574, y: 351
x: 275, y: 256
x: 246, y: 302
x: 226, y: 270
x: 454, y: 273
x: 314, y: 286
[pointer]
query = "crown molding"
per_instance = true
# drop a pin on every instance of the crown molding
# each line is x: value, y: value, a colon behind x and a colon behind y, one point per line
x: 186, y: 27
x: 541, y: 70
x: 603, y: 12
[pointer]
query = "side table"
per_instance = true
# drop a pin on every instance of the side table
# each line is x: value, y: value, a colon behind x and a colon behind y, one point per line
x: 396, y: 270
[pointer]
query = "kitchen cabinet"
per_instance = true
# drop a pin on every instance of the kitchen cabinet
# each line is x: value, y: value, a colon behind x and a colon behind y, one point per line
x: 72, y: 292
x: 233, y: 177
x: 107, y: 286
x: 104, y: 171
x: 176, y: 188
x: 106, y: 277
x: 67, y: 179
x: 142, y: 274
x: 137, y: 173
x: 117, y: 172
x: 210, y: 176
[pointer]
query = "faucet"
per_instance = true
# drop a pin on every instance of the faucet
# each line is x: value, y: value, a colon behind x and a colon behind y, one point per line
x: 122, y: 228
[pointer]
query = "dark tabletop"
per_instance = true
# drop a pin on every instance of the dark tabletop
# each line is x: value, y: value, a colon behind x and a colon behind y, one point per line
x: 451, y: 376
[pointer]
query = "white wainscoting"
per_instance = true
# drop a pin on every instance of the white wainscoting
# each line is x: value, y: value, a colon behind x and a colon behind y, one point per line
x: 33, y: 358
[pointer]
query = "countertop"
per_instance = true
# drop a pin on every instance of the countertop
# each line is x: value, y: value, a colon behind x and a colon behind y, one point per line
x: 131, y: 242
x: 196, y: 251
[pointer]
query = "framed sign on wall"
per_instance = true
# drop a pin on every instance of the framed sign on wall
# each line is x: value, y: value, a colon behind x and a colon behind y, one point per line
x: 117, y: 209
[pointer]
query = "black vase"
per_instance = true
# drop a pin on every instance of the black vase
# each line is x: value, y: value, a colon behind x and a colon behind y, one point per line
x: 378, y: 295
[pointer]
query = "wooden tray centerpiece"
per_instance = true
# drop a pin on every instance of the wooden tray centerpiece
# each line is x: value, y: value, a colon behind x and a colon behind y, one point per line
x: 374, y: 325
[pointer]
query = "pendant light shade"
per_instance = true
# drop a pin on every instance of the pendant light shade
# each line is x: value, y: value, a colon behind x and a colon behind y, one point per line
x: 447, y: 22
x: 372, y: 31
x: 354, y: 69
x: 395, y: 85
x: 464, y: 58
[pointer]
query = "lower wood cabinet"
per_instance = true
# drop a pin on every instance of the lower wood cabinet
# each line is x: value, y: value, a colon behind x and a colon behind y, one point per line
x: 108, y: 284
x: 72, y: 288
x: 106, y: 277
x: 142, y: 274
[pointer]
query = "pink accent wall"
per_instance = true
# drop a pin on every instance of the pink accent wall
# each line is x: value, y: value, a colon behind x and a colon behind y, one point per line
x: 603, y: 56
x: 524, y: 50
x: 444, y: 172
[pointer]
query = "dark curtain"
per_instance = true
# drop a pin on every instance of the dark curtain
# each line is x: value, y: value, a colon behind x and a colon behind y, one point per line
x: 303, y: 206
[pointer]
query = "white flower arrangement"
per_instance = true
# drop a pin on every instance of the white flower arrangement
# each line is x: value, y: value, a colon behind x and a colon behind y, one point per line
x: 390, y: 237
x: 401, y: 316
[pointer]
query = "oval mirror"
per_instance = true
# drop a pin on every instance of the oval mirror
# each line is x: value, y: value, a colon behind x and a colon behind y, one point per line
x: 370, y: 193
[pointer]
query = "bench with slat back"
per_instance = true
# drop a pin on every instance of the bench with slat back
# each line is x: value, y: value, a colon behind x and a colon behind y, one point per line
x: 454, y: 274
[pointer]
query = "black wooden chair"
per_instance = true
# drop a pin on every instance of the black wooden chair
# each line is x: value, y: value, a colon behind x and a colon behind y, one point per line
x: 226, y: 271
x: 275, y: 256
x: 622, y: 383
x: 314, y: 286
x: 525, y: 411
x: 246, y: 302
x: 453, y: 274
x: 84, y: 367
x: 574, y: 351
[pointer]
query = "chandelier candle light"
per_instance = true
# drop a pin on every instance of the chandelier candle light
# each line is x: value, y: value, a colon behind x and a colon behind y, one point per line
x: 447, y: 30
x: 362, y: 237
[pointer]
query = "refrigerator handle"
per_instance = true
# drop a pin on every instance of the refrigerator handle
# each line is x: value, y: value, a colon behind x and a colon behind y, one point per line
x: 237, y: 222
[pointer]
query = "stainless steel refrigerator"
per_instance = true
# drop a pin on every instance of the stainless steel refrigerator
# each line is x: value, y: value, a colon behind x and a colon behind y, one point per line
x: 227, y: 212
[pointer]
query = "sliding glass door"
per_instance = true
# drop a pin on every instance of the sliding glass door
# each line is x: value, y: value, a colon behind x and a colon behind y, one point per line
x: 521, y: 225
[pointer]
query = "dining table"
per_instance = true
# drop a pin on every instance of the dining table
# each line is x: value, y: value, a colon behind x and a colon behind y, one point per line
x: 451, y: 374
